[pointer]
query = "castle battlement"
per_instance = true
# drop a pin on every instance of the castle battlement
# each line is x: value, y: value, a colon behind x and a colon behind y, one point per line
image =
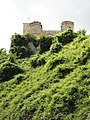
x: 37, y: 29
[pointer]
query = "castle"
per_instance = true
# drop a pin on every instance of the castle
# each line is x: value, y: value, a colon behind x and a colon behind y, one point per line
x: 37, y: 29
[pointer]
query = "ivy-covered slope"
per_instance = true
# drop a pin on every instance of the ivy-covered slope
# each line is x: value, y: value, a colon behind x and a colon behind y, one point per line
x: 54, y: 85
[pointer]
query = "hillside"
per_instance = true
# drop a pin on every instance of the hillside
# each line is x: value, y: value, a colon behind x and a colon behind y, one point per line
x: 53, y: 84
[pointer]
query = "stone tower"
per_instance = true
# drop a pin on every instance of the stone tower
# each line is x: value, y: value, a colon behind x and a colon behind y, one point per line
x: 26, y: 27
x: 67, y: 24
x: 34, y: 27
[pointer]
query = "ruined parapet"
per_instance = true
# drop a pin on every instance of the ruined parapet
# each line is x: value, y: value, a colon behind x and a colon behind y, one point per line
x: 50, y: 32
x: 34, y: 27
x: 67, y: 24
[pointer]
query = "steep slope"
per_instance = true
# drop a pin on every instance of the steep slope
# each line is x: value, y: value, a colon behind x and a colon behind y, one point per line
x: 54, y: 86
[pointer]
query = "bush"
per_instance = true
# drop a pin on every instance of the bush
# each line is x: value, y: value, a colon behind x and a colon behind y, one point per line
x: 52, y: 63
x: 12, y: 58
x: 45, y: 43
x: 17, y: 40
x: 66, y: 37
x: 19, y: 78
x: 19, y: 45
x: 62, y: 71
x: 31, y: 38
x: 8, y: 70
x: 55, y: 48
x: 33, y: 61
x: 82, y: 32
x: 3, y: 55
x: 37, y: 61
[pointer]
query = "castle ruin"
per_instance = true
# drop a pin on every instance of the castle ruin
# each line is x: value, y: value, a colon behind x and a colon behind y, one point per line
x: 37, y: 29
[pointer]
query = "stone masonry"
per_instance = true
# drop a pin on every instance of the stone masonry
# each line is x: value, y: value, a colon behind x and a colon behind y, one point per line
x: 36, y: 28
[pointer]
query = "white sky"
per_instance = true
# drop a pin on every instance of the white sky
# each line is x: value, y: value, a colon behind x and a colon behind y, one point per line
x: 49, y: 12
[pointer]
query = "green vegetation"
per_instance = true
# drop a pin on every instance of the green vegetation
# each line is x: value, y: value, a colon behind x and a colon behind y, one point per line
x: 66, y: 37
x: 3, y: 55
x: 53, y: 84
x: 19, y: 45
x: 8, y: 70
x: 45, y: 43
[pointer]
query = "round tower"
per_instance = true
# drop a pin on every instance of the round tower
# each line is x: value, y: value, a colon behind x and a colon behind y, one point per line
x: 36, y: 27
x: 67, y: 24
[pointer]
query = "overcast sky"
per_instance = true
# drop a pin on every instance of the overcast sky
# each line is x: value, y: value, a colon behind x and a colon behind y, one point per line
x: 13, y: 13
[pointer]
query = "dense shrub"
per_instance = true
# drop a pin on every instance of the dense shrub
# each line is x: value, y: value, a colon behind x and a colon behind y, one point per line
x: 62, y: 70
x: 19, y: 45
x: 3, y: 55
x: 55, y: 48
x: 53, y: 62
x: 66, y: 37
x: 37, y: 61
x: 58, y: 90
x: 33, y: 61
x: 31, y: 38
x: 3, y: 51
x: 19, y: 78
x: 12, y: 58
x: 82, y: 32
x: 21, y: 51
x: 82, y: 51
x: 8, y: 70
x: 45, y: 43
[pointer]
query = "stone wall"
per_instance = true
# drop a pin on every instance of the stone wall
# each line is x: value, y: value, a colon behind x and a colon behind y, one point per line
x: 26, y: 27
x: 36, y: 28
x: 50, y: 32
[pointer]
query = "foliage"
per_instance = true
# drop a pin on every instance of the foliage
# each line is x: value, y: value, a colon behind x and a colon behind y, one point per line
x: 19, y: 45
x: 37, y: 61
x: 55, y: 85
x: 66, y: 36
x: 54, y: 61
x: 82, y: 32
x: 2, y: 51
x: 55, y: 48
x: 12, y: 58
x: 8, y: 70
x: 3, y: 55
x: 45, y: 43
x: 31, y: 38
